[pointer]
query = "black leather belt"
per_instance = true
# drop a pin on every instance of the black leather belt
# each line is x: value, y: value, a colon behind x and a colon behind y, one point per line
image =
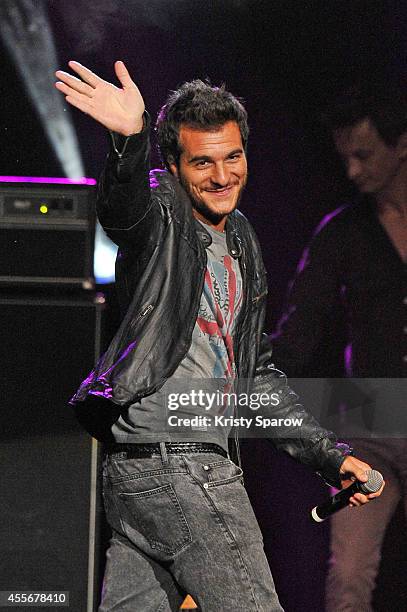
x: 135, y: 451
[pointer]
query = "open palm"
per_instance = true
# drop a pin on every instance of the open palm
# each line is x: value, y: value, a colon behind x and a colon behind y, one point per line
x: 118, y: 109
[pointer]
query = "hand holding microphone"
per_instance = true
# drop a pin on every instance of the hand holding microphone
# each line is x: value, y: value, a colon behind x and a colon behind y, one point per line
x: 373, y: 484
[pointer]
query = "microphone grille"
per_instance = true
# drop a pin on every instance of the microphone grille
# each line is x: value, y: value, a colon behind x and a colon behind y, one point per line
x: 373, y: 483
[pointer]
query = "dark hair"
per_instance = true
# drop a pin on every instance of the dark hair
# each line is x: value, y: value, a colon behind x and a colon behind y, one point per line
x: 385, y: 106
x: 201, y: 106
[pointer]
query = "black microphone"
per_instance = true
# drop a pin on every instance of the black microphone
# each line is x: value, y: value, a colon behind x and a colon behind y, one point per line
x: 341, y: 499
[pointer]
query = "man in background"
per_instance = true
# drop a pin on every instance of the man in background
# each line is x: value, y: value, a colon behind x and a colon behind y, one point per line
x: 354, y: 270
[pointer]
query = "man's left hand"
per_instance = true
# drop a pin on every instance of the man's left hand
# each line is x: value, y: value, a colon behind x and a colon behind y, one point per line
x: 353, y: 469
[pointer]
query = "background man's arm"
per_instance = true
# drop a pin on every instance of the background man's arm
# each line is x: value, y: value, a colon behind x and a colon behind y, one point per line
x: 305, y: 342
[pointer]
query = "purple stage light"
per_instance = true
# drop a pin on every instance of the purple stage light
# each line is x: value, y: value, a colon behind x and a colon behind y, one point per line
x: 48, y: 179
x: 348, y: 359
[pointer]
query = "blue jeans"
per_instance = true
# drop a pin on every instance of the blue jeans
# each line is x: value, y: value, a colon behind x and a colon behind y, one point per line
x: 182, y: 524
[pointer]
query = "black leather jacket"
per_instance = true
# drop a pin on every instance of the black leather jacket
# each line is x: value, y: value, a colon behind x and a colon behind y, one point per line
x: 160, y: 274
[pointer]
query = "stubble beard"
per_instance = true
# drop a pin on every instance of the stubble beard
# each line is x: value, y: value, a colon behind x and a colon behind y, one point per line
x: 206, y: 211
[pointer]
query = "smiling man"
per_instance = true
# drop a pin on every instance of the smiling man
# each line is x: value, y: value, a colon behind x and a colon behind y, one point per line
x: 192, y: 284
x: 212, y: 169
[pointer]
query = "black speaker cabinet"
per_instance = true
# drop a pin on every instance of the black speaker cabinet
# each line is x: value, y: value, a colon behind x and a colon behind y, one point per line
x: 49, y: 501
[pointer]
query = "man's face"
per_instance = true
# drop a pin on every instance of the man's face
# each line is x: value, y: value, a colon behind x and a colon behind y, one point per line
x: 370, y: 163
x: 213, y: 170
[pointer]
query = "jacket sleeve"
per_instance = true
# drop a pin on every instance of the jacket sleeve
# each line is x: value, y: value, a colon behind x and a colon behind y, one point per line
x: 310, y: 336
x: 314, y: 294
x: 308, y: 442
x: 124, y: 204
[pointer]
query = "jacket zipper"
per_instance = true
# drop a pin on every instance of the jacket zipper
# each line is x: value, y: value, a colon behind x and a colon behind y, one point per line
x: 236, y: 350
x: 258, y: 297
x: 146, y: 310
x: 150, y: 307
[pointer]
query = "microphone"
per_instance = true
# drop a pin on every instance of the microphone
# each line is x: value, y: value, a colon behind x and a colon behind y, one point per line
x: 341, y: 499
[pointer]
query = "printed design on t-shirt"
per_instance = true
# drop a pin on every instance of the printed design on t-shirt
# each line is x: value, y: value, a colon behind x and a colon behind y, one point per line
x: 217, y: 313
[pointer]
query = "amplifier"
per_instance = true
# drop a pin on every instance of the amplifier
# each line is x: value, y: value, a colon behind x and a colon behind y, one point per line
x: 47, y: 233
x: 50, y: 503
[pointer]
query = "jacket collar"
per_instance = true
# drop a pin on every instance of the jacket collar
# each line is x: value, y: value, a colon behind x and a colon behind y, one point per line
x: 233, y: 240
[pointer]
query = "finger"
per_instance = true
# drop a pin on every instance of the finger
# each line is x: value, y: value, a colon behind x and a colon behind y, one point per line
x: 86, y: 105
x: 123, y: 74
x: 73, y: 95
x: 359, y: 474
x: 360, y: 497
x: 86, y: 75
x: 72, y: 85
x: 64, y: 88
x: 378, y: 493
x: 79, y: 103
x: 355, y: 501
x: 353, y: 466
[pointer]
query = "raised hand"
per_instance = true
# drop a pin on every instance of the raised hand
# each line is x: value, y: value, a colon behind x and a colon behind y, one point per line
x: 118, y: 109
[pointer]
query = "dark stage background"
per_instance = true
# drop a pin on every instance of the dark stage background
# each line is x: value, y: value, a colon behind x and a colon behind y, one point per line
x: 285, y: 59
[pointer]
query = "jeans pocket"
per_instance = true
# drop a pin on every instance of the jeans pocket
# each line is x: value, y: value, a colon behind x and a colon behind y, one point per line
x: 222, y: 472
x: 158, y: 516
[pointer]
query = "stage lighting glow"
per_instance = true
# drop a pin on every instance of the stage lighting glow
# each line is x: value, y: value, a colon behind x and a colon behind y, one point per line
x: 27, y: 33
x: 104, y: 257
x: 28, y: 36
x: 48, y: 179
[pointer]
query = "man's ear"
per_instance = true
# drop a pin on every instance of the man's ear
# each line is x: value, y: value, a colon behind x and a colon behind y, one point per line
x: 173, y: 167
x: 402, y: 146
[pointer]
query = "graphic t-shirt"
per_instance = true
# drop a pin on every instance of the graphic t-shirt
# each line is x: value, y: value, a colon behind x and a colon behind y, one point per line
x: 209, y: 362
x: 211, y: 354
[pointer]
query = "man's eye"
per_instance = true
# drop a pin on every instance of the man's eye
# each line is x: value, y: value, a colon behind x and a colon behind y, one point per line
x: 363, y: 155
x: 202, y: 164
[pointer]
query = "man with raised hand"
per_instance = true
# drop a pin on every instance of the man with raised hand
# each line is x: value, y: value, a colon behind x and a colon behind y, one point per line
x: 191, y: 282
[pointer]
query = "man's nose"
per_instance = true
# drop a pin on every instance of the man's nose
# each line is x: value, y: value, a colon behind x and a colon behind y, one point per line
x: 220, y: 175
x: 353, y: 169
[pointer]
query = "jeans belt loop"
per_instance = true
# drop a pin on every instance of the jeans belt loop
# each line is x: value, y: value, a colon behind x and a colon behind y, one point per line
x: 163, y: 451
